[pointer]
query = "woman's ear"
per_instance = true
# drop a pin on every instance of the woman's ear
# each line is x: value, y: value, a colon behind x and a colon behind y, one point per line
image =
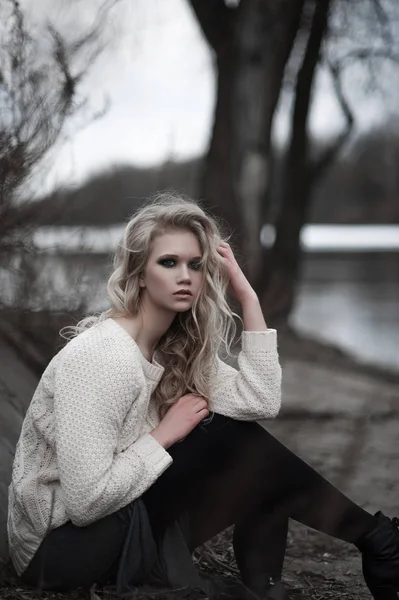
x: 142, y: 279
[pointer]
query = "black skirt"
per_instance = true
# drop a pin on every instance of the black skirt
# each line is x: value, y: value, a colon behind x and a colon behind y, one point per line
x: 119, y: 549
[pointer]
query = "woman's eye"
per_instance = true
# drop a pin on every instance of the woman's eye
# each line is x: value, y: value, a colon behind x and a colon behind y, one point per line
x: 166, y: 260
x: 196, y: 266
x: 170, y: 262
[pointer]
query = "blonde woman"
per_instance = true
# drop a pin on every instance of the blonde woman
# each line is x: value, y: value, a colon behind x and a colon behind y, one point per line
x: 140, y: 443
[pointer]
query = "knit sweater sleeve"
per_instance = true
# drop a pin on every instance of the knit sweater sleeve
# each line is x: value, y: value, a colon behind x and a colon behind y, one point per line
x: 252, y: 392
x: 94, y: 388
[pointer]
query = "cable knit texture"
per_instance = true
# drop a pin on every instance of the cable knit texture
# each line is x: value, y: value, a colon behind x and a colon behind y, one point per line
x: 85, y: 450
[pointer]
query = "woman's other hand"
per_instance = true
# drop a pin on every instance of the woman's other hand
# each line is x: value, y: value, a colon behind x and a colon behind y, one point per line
x: 181, y: 419
x: 239, y: 285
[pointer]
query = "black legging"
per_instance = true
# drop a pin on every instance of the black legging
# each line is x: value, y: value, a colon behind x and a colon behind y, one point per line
x: 224, y: 472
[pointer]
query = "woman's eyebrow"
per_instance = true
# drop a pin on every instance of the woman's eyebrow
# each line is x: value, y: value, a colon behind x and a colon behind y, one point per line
x: 177, y: 256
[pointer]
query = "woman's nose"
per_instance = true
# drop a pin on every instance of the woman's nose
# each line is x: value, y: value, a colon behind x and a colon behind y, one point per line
x: 184, y: 274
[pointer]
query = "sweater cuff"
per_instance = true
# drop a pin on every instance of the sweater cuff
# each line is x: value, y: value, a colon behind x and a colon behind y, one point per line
x: 153, y: 453
x: 259, y: 340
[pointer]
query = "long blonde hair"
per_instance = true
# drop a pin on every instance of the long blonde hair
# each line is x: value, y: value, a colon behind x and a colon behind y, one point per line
x: 189, y: 348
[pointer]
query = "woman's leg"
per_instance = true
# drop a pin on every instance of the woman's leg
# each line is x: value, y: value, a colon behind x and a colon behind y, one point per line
x: 224, y: 472
x: 229, y: 472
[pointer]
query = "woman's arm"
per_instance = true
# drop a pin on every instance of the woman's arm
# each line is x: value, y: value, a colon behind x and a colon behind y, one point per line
x: 252, y: 314
x: 254, y: 391
x: 93, y: 390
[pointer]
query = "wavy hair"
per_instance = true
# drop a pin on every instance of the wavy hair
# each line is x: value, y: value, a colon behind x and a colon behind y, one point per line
x: 189, y: 348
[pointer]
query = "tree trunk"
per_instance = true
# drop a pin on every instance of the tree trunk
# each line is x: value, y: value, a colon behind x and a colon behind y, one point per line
x: 278, y: 295
x: 264, y: 36
x: 251, y: 55
x: 217, y: 186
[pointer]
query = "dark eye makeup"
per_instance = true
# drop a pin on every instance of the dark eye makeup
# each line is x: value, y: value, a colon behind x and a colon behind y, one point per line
x: 165, y: 262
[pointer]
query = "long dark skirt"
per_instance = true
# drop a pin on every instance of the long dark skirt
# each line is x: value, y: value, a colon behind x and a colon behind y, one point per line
x: 225, y: 472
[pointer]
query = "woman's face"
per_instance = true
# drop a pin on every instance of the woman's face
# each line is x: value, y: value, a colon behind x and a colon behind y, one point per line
x: 173, y: 265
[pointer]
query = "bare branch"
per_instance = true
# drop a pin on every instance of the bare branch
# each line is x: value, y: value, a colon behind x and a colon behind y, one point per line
x: 363, y: 54
x: 331, y: 152
x: 343, y: 102
x: 39, y: 78
x: 383, y: 20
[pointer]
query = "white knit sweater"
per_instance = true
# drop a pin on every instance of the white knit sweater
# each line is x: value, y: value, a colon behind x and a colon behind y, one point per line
x: 85, y: 450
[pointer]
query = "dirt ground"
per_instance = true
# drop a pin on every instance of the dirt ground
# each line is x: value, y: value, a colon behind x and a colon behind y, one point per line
x: 342, y: 418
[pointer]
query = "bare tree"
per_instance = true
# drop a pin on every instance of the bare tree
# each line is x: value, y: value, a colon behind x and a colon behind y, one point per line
x: 40, y: 73
x: 258, y: 47
x: 252, y: 43
x: 325, y: 48
x: 299, y: 174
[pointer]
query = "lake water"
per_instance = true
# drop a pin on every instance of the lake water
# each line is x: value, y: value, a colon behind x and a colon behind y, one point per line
x: 352, y: 301
x: 350, y: 298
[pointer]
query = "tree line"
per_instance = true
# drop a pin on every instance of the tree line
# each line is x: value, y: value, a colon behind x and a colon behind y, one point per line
x: 362, y: 187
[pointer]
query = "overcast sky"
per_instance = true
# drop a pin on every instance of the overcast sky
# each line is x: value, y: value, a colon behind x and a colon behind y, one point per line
x: 157, y: 73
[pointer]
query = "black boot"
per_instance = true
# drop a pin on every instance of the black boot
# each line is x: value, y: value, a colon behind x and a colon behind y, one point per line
x: 380, y: 558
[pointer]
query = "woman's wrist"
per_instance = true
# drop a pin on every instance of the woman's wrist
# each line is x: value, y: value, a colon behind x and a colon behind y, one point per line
x: 159, y: 435
x: 252, y: 314
x: 249, y: 297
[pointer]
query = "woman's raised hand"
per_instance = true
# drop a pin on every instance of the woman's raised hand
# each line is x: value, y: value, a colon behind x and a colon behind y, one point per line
x: 181, y: 419
x: 239, y: 285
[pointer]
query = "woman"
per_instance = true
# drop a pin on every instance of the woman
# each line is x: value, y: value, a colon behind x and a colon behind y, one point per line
x: 140, y: 443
